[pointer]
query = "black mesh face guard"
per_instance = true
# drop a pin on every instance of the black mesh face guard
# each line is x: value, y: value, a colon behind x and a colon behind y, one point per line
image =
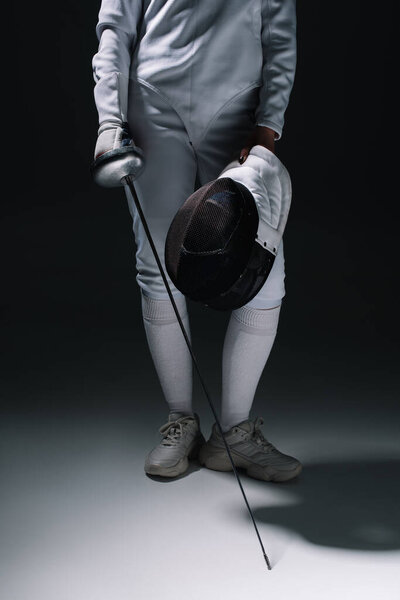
x: 210, y: 251
x: 249, y: 283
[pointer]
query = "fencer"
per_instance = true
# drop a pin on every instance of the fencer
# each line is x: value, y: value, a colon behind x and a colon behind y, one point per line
x: 198, y: 83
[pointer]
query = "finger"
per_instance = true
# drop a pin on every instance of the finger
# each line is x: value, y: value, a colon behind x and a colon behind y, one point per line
x: 243, y: 155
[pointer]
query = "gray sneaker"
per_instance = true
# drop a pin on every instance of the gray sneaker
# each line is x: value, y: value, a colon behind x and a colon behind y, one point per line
x: 181, y: 441
x: 251, y: 451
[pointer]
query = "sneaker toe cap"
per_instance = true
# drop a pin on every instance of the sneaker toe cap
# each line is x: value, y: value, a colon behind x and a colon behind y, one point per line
x: 168, y: 457
x: 287, y: 463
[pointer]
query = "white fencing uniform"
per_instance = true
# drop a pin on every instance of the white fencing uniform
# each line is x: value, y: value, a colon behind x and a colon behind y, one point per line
x: 192, y: 78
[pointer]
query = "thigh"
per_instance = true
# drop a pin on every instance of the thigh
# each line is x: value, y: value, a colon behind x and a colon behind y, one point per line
x: 222, y: 143
x: 167, y: 180
x: 226, y: 136
x: 273, y: 290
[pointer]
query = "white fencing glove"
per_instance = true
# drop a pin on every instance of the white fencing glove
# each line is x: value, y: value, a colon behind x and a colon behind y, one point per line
x: 116, y: 155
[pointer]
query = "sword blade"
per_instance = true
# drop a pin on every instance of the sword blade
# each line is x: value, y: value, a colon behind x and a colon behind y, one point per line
x: 129, y: 183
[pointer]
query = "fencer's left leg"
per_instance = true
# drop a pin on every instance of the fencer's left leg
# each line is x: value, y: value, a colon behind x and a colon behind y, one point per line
x: 250, y: 335
x: 248, y: 342
x: 168, y: 179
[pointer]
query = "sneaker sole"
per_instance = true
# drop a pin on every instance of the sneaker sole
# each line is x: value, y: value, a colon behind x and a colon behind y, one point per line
x: 181, y: 466
x: 218, y: 460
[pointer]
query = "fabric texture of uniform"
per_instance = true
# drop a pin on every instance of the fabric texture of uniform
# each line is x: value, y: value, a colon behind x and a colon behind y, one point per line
x: 160, y: 67
x: 174, y: 369
x: 200, y: 55
x: 248, y: 342
x: 192, y: 78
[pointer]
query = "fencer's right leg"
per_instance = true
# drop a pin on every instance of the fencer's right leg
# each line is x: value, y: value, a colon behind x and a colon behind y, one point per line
x: 182, y: 438
x: 169, y: 351
x: 168, y: 179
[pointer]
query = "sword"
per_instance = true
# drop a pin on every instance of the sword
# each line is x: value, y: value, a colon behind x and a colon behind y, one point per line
x: 124, y: 177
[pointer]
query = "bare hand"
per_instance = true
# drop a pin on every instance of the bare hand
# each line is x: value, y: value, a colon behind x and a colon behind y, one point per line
x: 262, y: 136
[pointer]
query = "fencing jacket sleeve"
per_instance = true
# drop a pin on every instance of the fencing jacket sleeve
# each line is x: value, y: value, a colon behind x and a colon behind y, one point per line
x: 117, y: 34
x: 279, y: 62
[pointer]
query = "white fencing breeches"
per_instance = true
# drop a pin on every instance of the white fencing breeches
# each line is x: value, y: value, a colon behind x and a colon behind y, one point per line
x: 175, y: 166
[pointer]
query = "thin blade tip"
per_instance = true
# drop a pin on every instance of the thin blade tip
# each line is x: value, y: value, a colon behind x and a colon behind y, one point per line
x: 268, y: 563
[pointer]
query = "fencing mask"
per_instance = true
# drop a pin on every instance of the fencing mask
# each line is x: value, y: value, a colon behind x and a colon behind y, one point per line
x: 222, y: 242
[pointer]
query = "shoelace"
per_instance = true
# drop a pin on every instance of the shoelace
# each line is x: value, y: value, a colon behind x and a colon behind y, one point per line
x: 172, y: 432
x: 258, y: 436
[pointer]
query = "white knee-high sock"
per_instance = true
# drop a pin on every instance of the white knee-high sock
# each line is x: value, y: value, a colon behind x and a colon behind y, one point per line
x: 168, y: 349
x: 248, y: 342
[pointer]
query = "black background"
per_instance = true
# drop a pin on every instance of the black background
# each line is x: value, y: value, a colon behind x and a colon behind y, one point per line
x: 70, y: 305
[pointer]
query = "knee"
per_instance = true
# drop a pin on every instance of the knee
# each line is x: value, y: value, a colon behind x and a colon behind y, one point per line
x: 150, y: 281
x: 258, y: 320
x: 160, y: 310
x: 273, y: 291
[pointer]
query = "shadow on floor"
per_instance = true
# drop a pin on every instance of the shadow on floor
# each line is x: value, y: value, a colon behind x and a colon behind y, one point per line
x: 351, y: 505
x: 193, y: 467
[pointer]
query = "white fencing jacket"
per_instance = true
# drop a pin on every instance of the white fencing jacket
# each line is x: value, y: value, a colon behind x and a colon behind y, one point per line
x: 200, y: 55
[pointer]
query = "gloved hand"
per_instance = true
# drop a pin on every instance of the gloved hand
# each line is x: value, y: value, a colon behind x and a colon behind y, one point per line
x: 111, y: 136
x: 116, y: 155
